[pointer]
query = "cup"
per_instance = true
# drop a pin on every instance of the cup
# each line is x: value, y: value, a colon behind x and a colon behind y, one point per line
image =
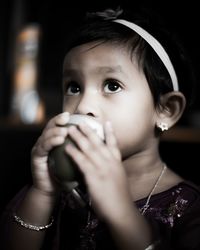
x: 61, y: 166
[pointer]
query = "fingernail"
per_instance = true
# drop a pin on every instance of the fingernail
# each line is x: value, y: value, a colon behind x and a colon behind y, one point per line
x: 65, y: 116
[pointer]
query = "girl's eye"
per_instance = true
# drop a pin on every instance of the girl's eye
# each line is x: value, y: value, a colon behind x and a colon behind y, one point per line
x: 72, y: 88
x: 112, y: 86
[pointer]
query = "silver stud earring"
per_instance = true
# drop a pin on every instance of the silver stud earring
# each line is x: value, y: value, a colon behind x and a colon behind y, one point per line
x: 163, y: 126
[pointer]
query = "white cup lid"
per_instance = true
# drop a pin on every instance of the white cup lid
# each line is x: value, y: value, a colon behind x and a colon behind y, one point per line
x: 76, y: 119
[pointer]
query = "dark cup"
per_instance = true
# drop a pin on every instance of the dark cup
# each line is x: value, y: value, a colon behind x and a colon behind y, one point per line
x: 61, y: 166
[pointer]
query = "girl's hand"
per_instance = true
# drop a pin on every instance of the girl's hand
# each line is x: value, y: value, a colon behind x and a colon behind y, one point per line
x: 52, y: 136
x: 103, y: 170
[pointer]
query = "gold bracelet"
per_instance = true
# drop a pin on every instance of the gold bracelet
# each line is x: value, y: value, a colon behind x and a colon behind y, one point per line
x: 30, y: 226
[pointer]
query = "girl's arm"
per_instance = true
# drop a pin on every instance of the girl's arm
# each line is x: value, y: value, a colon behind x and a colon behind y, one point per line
x: 35, y: 209
x: 107, y: 184
x: 37, y: 206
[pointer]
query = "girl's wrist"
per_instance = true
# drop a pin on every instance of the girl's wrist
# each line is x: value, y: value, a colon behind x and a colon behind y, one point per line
x: 35, y: 210
x: 44, y: 195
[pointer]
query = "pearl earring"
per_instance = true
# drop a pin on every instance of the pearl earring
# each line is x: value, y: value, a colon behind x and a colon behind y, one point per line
x: 163, y: 126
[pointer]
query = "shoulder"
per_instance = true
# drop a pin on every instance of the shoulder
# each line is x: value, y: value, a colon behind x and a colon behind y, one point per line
x: 187, y: 224
x: 182, y: 197
x: 176, y: 203
x: 190, y: 194
x: 184, y: 191
x: 189, y: 191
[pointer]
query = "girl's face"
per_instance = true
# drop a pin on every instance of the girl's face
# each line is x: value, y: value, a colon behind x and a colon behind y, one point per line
x: 102, y: 81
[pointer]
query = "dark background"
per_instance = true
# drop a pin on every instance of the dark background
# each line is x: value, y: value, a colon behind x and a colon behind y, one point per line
x: 56, y: 19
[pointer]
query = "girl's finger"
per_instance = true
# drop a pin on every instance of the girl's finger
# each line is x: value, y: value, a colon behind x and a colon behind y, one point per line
x: 62, y: 119
x: 89, y: 145
x: 111, y: 140
x: 55, y: 131
x: 80, y: 159
x: 42, y: 147
x: 85, y: 138
x: 91, y: 134
x: 59, y: 120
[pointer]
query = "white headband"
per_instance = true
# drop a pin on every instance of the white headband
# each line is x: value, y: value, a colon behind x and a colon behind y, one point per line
x: 158, y: 48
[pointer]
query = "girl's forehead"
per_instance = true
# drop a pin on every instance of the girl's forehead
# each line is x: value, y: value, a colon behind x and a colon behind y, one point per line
x: 108, y: 47
x: 97, y: 60
x: 108, y: 53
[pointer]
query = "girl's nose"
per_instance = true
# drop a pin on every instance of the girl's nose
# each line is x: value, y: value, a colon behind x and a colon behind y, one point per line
x: 88, y: 105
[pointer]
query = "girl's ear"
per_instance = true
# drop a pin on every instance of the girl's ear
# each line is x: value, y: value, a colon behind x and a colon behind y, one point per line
x: 170, y: 109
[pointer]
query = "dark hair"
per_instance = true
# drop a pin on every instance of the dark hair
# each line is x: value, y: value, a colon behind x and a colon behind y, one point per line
x: 99, y: 26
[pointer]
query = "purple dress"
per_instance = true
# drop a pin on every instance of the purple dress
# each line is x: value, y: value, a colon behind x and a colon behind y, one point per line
x: 174, y: 216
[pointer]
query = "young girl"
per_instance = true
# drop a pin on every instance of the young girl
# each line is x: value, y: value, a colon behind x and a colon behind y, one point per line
x: 133, y: 79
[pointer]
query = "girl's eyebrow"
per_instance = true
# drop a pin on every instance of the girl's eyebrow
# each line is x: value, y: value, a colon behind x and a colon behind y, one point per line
x: 108, y: 69
x: 68, y: 72
x: 101, y: 69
